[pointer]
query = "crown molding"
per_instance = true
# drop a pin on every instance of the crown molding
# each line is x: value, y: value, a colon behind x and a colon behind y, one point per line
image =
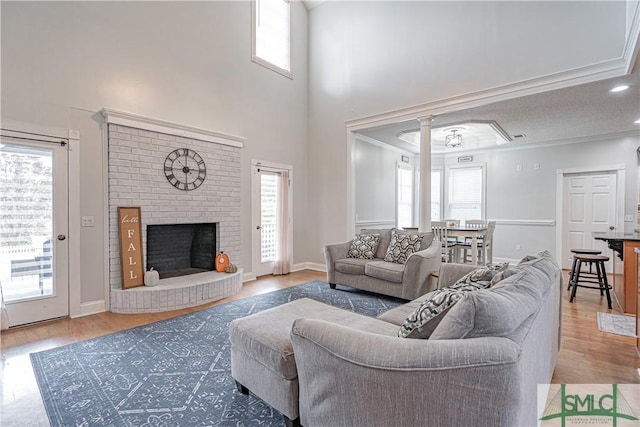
x: 124, y: 118
x: 587, y: 74
x: 631, y: 47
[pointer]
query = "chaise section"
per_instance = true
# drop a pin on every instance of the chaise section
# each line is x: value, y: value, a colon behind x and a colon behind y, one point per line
x: 262, y: 358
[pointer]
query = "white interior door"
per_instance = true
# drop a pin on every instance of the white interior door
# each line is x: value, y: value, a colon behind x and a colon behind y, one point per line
x: 590, y: 202
x: 264, y: 224
x: 34, y: 220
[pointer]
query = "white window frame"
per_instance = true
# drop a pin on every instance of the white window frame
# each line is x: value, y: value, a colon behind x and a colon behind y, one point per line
x: 483, y: 200
x: 405, y: 167
x: 441, y: 201
x: 261, y: 61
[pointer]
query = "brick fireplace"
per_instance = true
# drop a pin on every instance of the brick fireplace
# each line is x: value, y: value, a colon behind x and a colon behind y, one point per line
x: 137, y: 148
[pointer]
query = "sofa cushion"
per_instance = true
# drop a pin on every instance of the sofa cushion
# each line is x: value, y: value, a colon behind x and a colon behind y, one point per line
x: 498, y: 311
x: 351, y: 265
x: 389, y: 271
x: 402, y: 246
x: 425, y: 319
x: 385, y: 238
x: 364, y: 246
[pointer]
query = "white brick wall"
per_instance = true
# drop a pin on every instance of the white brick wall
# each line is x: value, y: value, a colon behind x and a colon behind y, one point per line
x: 136, y: 178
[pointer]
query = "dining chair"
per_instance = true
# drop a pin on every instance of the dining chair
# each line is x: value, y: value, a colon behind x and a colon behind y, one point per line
x: 475, y: 223
x: 449, y: 247
x: 485, y: 246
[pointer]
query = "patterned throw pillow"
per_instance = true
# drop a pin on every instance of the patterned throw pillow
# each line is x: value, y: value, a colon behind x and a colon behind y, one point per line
x: 422, y: 322
x: 402, y: 246
x: 481, y: 275
x: 364, y: 246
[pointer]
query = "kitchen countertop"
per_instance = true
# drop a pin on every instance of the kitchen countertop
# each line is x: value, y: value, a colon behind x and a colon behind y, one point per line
x: 616, y: 236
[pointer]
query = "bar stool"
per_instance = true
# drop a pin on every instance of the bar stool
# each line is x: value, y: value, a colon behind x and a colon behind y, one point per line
x: 601, y: 280
x: 572, y: 273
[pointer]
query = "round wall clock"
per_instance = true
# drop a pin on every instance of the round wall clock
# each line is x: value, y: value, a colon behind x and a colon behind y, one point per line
x: 185, y: 169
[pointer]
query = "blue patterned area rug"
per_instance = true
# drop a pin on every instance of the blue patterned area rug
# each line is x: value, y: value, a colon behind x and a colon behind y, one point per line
x: 175, y: 372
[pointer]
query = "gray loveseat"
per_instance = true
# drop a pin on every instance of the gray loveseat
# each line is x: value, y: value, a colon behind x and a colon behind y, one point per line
x: 408, y: 281
x: 323, y: 366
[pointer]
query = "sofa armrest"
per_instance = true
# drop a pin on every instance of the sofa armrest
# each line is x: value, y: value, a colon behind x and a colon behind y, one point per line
x: 451, y: 272
x: 331, y: 254
x: 416, y: 279
x: 448, y: 382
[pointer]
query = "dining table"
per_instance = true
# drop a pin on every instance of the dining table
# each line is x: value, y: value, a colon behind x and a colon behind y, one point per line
x: 468, y: 231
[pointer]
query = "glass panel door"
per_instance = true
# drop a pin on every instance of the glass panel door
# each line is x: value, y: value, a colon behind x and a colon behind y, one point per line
x: 268, y: 216
x: 33, y: 224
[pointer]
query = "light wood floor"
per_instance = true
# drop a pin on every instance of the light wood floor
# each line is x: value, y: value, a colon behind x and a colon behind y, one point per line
x: 587, y: 355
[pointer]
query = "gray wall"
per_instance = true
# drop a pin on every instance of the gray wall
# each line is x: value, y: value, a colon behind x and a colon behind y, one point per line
x: 358, y: 69
x: 184, y: 62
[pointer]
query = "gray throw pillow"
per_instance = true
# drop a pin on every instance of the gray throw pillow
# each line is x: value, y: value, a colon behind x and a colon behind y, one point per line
x: 402, y: 246
x: 364, y: 246
x: 492, y: 312
x: 501, y: 275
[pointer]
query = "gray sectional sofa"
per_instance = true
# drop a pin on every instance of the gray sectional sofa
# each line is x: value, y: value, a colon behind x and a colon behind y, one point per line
x: 408, y: 281
x: 323, y: 366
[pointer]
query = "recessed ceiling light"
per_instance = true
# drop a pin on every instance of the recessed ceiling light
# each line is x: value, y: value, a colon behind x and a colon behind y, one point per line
x: 637, y: 122
x: 619, y: 88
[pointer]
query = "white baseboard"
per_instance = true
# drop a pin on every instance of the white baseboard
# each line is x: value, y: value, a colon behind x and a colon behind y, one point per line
x: 92, y: 307
x: 248, y: 277
x: 309, y: 266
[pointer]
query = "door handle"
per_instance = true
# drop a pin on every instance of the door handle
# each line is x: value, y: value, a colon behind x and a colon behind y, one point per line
x: 61, y: 237
x: 258, y: 227
x: 612, y: 227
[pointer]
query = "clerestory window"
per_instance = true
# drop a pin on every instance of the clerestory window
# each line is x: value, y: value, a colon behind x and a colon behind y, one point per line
x: 271, y: 35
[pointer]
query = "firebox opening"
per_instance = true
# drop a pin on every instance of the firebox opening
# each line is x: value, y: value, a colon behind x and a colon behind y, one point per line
x: 180, y: 249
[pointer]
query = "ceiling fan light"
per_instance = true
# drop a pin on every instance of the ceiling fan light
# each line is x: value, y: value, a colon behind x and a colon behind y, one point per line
x: 454, y: 140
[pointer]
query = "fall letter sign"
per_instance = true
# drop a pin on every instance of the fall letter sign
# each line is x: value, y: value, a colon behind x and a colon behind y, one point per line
x: 130, y: 247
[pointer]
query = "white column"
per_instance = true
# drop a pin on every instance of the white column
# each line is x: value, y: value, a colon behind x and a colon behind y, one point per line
x: 425, y: 174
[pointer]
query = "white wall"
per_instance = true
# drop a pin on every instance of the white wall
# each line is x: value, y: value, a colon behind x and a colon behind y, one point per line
x: 373, y: 57
x: 375, y: 182
x: 529, y: 194
x: 185, y: 62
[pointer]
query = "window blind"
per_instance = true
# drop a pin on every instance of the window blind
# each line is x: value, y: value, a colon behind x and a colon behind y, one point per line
x: 465, y: 193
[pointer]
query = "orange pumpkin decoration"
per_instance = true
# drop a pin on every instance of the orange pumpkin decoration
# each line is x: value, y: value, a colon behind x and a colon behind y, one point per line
x: 222, y: 261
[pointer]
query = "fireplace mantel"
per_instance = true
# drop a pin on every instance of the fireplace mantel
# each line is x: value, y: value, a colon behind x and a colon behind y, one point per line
x: 119, y: 117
